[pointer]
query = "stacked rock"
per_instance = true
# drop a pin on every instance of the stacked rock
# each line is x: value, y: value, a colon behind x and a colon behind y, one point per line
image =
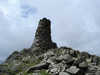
x: 43, y: 35
x: 67, y: 61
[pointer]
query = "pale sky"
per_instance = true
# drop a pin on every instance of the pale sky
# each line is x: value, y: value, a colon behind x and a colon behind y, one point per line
x: 75, y: 23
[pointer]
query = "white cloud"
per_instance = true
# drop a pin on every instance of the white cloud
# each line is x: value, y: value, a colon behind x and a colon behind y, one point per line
x: 75, y: 23
x: 16, y: 31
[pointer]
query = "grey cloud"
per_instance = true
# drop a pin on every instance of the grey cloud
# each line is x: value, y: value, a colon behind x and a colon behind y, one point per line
x: 75, y: 23
x: 28, y: 10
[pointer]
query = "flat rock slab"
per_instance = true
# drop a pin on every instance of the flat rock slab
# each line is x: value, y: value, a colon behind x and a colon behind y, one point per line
x: 38, y: 67
x: 73, y: 70
x: 97, y: 73
x: 83, y: 65
x: 64, y: 73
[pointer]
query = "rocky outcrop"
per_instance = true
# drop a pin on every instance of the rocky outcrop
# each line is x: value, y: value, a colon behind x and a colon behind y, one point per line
x: 66, y: 61
x: 43, y: 35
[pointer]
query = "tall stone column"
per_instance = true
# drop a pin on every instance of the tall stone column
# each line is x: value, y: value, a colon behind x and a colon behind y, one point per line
x: 43, y: 35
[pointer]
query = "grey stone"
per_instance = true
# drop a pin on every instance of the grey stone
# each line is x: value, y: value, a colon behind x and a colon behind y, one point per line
x: 51, y: 60
x: 72, y: 52
x: 64, y: 73
x: 73, y: 70
x: 67, y: 58
x: 83, y: 65
x: 54, y: 70
x: 38, y: 67
x: 84, y: 54
x: 50, y: 54
x: 97, y: 73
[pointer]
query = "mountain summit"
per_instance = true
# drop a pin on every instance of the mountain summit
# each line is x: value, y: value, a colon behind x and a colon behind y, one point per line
x: 45, y: 58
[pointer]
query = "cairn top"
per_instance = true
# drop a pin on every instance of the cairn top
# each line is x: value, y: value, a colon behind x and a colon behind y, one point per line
x: 44, y: 21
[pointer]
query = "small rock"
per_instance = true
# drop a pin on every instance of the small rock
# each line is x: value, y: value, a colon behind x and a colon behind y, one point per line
x: 51, y: 60
x: 68, y: 58
x: 54, y: 70
x: 64, y: 73
x: 83, y: 65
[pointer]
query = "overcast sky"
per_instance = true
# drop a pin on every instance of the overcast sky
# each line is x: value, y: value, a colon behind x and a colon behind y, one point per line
x: 75, y: 23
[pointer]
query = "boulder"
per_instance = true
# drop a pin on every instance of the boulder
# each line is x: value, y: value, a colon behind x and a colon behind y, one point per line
x: 67, y: 58
x: 83, y: 65
x: 73, y: 70
x: 38, y: 67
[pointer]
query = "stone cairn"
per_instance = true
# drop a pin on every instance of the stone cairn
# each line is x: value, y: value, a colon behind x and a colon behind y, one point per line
x: 45, y: 56
x: 43, y: 35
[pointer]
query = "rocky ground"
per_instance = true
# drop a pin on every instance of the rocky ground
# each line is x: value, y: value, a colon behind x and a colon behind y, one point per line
x: 66, y: 61
x: 45, y: 58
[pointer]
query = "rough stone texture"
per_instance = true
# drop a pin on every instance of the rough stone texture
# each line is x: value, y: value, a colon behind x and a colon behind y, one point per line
x: 97, y: 73
x: 83, y: 65
x: 73, y: 70
x: 38, y: 67
x: 43, y: 35
x: 64, y: 73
